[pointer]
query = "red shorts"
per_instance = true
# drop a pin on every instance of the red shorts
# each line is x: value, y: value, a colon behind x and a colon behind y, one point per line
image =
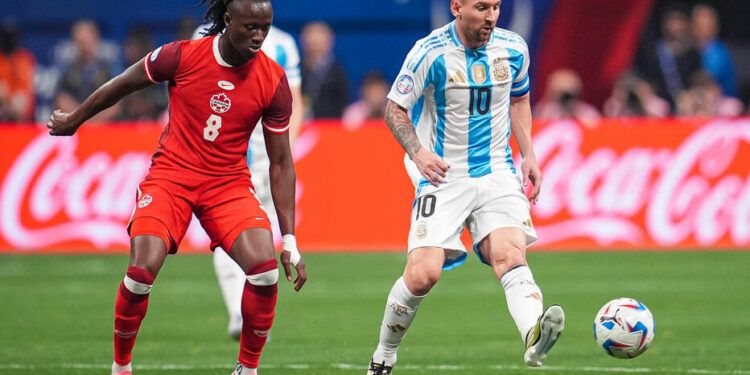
x: 225, y: 207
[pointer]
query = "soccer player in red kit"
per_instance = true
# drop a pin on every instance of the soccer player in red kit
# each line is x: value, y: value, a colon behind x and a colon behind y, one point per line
x: 219, y: 88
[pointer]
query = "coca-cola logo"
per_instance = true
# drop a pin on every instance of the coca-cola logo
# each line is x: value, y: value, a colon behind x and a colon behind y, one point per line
x: 95, y: 196
x: 663, y: 195
x: 50, y: 196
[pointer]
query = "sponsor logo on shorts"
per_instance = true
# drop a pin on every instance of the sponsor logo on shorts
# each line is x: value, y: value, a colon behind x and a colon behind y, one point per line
x: 226, y: 85
x: 144, y: 201
x: 220, y: 103
x: 527, y: 223
x: 421, y: 231
x: 405, y: 84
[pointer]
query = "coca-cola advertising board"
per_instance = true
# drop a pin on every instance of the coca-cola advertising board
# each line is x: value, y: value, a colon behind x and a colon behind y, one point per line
x: 635, y: 184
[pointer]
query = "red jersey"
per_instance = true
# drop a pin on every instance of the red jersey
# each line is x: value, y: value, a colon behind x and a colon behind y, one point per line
x: 213, y: 106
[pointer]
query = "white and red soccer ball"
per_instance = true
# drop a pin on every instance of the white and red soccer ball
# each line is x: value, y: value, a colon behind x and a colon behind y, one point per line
x: 624, y: 328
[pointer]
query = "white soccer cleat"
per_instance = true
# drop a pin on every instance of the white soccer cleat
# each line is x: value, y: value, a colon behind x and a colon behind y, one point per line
x: 235, y: 327
x: 242, y: 370
x: 544, y: 335
x: 121, y: 370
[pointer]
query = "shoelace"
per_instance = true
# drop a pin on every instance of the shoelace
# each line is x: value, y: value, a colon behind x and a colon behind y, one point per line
x: 380, y: 368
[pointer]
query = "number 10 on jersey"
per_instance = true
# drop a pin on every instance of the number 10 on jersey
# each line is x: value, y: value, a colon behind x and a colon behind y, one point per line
x: 479, y: 100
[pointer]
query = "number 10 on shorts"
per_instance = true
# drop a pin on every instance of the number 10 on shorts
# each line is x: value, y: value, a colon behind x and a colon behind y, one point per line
x: 426, y: 206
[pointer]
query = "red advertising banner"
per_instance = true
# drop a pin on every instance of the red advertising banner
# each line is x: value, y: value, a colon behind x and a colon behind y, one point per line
x: 637, y: 184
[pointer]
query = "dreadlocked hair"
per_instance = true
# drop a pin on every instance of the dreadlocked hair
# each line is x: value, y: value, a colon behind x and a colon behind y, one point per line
x: 215, y: 15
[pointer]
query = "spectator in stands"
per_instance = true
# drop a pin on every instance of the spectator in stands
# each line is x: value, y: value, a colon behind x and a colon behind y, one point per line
x: 563, y: 99
x: 86, y: 72
x: 705, y: 98
x: 186, y: 29
x: 634, y: 97
x: 324, y: 82
x: 149, y: 103
x: 714, y: 53
x: 371, y: 104
x: 669, y: 64
x: 16, y: 77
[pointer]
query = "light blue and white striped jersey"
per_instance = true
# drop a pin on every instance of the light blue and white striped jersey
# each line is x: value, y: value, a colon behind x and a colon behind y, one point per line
x: 280, y: 47
x: 459, y: 99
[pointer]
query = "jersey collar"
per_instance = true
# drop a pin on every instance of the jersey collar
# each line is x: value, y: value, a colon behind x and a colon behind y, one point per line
x: 217, y: 55
x: 454, y: 34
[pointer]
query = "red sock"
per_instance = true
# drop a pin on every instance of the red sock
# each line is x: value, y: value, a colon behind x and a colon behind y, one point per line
x: 258, y: 307
x: 130, y: 308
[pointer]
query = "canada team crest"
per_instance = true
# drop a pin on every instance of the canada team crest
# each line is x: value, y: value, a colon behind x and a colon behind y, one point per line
x: 144, y: 201
x: 220, y: 103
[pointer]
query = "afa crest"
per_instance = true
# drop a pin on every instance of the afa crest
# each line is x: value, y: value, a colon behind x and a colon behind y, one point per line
x: 421, y: 231
x: 500, y: 70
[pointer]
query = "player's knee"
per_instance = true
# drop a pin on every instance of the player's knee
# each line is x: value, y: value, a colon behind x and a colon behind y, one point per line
x: 265, y: 273
x: 420, y: 280
x: 139, y: 280
x: 505, y: 256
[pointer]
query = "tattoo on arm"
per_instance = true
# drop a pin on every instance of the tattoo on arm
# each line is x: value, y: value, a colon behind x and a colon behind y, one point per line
x: 400, y: 125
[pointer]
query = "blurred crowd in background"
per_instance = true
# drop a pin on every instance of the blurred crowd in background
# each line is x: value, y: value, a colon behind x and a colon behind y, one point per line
x: 687, y: 71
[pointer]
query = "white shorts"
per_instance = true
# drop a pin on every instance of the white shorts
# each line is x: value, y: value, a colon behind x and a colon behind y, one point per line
x: 482, y: 204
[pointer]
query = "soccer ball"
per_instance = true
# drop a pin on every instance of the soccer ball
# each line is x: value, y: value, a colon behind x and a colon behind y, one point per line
x: 624, y: 328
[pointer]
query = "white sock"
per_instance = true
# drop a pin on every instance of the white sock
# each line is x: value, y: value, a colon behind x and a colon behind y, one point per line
x: 400, y: 310
x: 231, y: 282
x: 117, y: 368
x: 524, y: 298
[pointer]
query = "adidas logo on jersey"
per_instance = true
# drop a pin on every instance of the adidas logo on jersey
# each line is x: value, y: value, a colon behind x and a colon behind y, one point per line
x: 458, y: 77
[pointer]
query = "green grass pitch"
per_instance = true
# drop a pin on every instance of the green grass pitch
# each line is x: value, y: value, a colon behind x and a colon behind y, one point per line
x: 56, y: 316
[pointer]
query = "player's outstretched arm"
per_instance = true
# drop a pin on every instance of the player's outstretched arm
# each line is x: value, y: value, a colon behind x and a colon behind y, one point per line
x: 520, y: 124
x: 431, y: 166
x: 283, y: 180
x: 132, y: 79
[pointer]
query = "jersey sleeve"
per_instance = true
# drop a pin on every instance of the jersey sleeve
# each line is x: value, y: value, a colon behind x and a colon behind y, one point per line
x: 161, y: 64
x: 521, y: 83
x: 277, y: 113
x: 409, y: 85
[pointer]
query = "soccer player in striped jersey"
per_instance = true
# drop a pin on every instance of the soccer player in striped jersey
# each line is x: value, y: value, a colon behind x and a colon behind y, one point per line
x: 461, y: 93
x: 280, y: 47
